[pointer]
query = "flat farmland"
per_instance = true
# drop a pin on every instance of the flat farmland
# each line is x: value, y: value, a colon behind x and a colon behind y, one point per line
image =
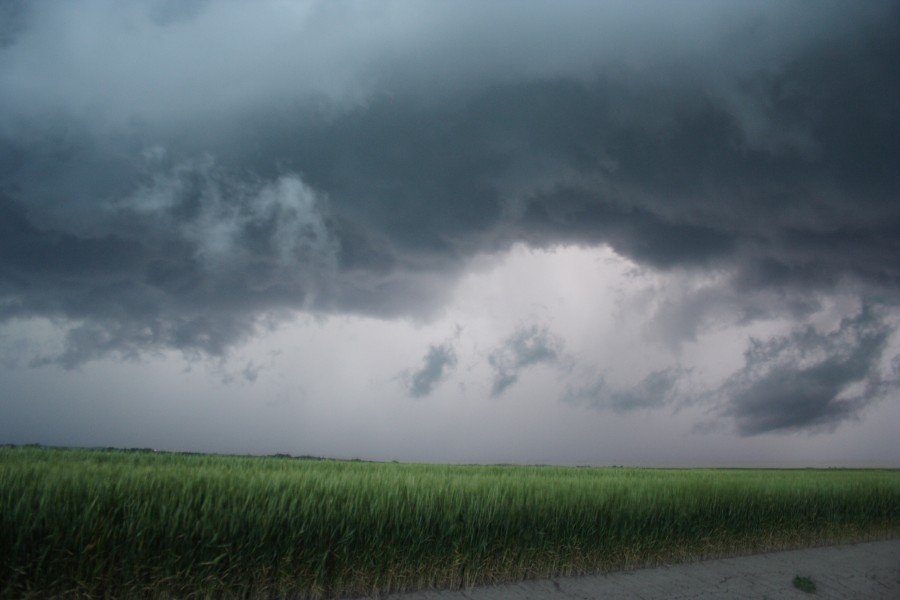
x: 101, y: 523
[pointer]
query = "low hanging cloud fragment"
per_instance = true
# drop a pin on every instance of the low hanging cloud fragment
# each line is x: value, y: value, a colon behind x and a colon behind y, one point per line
x: 438, y: 362
x: 527, y: 346
x: 809, y: 380
x: 656, y: 390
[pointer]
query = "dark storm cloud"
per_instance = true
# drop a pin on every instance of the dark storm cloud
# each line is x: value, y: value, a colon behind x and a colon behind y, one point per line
x: 655, y: 390
x: 437, y: 363
x: 810, y: 380
x: 174, y: 173
x: 195, y: 262
x: 527, y: 346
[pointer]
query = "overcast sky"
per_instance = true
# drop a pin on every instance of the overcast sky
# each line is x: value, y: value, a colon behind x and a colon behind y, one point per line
x: 641, y: 233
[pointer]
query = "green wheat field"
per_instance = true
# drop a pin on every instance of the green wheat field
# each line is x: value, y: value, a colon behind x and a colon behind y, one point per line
x: 142, y: 524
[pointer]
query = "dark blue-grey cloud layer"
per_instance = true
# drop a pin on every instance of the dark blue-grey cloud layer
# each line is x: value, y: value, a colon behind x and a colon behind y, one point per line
x: 172, y: 174
x: 805, y: 380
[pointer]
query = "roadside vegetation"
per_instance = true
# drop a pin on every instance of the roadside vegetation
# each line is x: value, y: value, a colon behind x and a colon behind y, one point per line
x: 805, y: 584
x: 103, y: 523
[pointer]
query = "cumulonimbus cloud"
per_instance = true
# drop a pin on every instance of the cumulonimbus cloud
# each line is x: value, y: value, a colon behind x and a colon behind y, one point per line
x: 174, y: 174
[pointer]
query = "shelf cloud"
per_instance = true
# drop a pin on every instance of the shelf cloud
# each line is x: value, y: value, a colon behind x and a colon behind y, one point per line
x: 187, y: 176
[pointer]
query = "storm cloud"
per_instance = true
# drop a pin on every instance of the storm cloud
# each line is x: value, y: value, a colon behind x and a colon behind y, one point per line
x: 439, y: 360
x: 655, y: 390
x: 187, y: 175
x: 810, y: 380
x: 527, y: 346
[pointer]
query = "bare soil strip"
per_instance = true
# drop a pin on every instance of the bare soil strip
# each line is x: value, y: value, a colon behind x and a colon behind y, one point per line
x: 866, y: 571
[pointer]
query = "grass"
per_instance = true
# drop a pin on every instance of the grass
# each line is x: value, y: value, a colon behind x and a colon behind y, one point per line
x: 805, y: 584
x: 91, y: 523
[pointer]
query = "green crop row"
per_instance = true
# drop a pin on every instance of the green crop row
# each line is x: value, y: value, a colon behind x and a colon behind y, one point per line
x: 91, y: 523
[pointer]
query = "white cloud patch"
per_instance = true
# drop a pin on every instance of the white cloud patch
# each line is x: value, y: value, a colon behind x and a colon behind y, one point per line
x: 232, y: 223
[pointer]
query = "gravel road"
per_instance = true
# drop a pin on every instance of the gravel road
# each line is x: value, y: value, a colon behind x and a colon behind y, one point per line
x: 866, y: 571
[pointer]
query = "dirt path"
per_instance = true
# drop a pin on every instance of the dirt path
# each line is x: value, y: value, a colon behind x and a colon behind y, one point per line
x: 866, y: 571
